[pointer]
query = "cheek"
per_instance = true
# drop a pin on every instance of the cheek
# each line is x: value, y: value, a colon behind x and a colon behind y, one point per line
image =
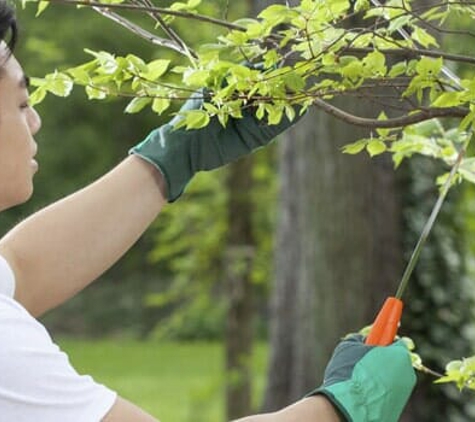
x: 15, y: 168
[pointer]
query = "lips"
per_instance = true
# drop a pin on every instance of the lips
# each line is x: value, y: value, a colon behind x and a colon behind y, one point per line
x: 34, y: 164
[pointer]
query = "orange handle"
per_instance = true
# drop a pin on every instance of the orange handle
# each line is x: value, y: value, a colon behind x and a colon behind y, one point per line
x: 385, y: 326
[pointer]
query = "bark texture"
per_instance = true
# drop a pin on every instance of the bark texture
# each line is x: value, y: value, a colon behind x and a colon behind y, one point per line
x: 338, y: 252
x: 239, y: 258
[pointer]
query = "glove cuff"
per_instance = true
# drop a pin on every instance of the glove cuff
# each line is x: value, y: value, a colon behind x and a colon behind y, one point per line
x: 169, y: 154
x: 341, y: 410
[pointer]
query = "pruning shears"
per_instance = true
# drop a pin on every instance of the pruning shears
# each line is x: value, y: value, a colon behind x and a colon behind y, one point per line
x: 385, y: 326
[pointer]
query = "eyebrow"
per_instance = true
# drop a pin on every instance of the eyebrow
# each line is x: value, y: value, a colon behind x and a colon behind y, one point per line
x: 24, y: 82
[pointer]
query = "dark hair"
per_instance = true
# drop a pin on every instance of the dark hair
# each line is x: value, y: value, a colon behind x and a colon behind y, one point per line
x: 8, y: 25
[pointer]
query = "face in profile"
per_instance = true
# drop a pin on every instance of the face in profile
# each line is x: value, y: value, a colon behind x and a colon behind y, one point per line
x: 19, y: 122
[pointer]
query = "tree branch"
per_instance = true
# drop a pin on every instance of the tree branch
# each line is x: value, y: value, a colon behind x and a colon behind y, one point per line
x: 163, y: 11
x: 162, y: 42
x: 414, y: 52
x: 390, y: 123
x: 169, y: 31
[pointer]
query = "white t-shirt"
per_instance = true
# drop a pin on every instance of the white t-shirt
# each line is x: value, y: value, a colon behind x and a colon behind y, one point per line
x: 37, y: 381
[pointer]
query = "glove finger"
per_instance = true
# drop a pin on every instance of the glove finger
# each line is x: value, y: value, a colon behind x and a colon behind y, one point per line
x: 346, y: 355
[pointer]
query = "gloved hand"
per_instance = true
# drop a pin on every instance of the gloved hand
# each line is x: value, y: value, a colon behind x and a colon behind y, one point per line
x: 367, y: 383
x: 180, y: 153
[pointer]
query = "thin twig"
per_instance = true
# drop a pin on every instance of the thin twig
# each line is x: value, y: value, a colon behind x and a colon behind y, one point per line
x: 429, y: 371
x: 169, y: 31
x: 161, y: 10
x: 162, y: 42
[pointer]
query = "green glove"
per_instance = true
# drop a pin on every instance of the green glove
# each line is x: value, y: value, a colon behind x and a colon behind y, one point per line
x: 180, y: 153
x: 368, y: 383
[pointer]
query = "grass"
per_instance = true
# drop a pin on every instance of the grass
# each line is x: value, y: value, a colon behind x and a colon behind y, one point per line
x: 175, y: 382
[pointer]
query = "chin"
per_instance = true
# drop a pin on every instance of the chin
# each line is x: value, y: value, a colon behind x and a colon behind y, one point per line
x: 19, y: 198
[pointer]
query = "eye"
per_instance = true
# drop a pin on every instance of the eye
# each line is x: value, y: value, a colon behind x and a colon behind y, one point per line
x: 25, y: 104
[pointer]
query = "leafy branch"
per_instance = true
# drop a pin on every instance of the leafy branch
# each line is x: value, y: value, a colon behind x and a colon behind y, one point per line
x: 302, y: 56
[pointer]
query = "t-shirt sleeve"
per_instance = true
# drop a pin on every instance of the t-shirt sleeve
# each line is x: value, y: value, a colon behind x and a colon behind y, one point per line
x: 37, y: 381
x: 7, y: 278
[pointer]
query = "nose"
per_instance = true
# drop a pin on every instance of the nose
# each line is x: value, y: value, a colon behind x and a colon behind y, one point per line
x: 34, y: 121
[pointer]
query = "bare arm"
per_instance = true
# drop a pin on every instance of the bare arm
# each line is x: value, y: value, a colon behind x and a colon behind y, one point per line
x: 125, y: 411
x: 312, y: 409
x: 61, y: 249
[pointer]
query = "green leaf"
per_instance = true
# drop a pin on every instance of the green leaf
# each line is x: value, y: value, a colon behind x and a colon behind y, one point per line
x: 399, y: 23
x: 95, y: 93
x: 37, y: 96
x: 383, y: 131
x: 260, y: 111
x: 189, y: 6
x: 355, y: 147
x: 373, y: 12
x: 329, y: 59
x: 337, y: 8
x: 353, y: 71
x: 294, y: 82
x: 468, y: 120
x: 274, y: 11
x: 137, y: 104
x: 424, y: 38
x: 156, y: 69
x: 82, y: 74
x: 376, y: 147
x: 467, y: 169
x: 108, y: 63
x: 274, y: 113
x: 409, y: 343
x: 42, y: 5
x: 196, y: 77
x: 159, y: 105
x: 375, y: 63
x: 429, y: 67
x: 238, y: 38
x: 58, y: 84
x: 361, y: 5
x: 135, y: 64
x: 193, y: 4
x: 398, y: 69
x: 448, y: 99
x: 196, y: 119
x: 271, y: 58
x: 426, y: 128
x: 290, y: 112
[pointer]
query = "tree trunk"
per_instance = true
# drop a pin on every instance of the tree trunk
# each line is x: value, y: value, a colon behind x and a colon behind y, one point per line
x: 239, y: 258
x: 338, y: 251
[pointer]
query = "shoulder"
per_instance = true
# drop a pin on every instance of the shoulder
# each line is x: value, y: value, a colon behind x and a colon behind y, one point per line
x: 18, y: 328
x: 38, y: 381
x: 7, y: 278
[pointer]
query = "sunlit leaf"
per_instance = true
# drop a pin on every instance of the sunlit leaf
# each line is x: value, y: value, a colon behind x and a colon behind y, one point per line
x: 376, y: 147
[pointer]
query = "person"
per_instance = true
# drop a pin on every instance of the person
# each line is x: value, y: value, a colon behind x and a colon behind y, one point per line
x: 56, y: 252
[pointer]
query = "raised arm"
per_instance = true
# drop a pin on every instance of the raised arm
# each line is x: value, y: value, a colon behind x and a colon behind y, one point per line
x: 58, y: 251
